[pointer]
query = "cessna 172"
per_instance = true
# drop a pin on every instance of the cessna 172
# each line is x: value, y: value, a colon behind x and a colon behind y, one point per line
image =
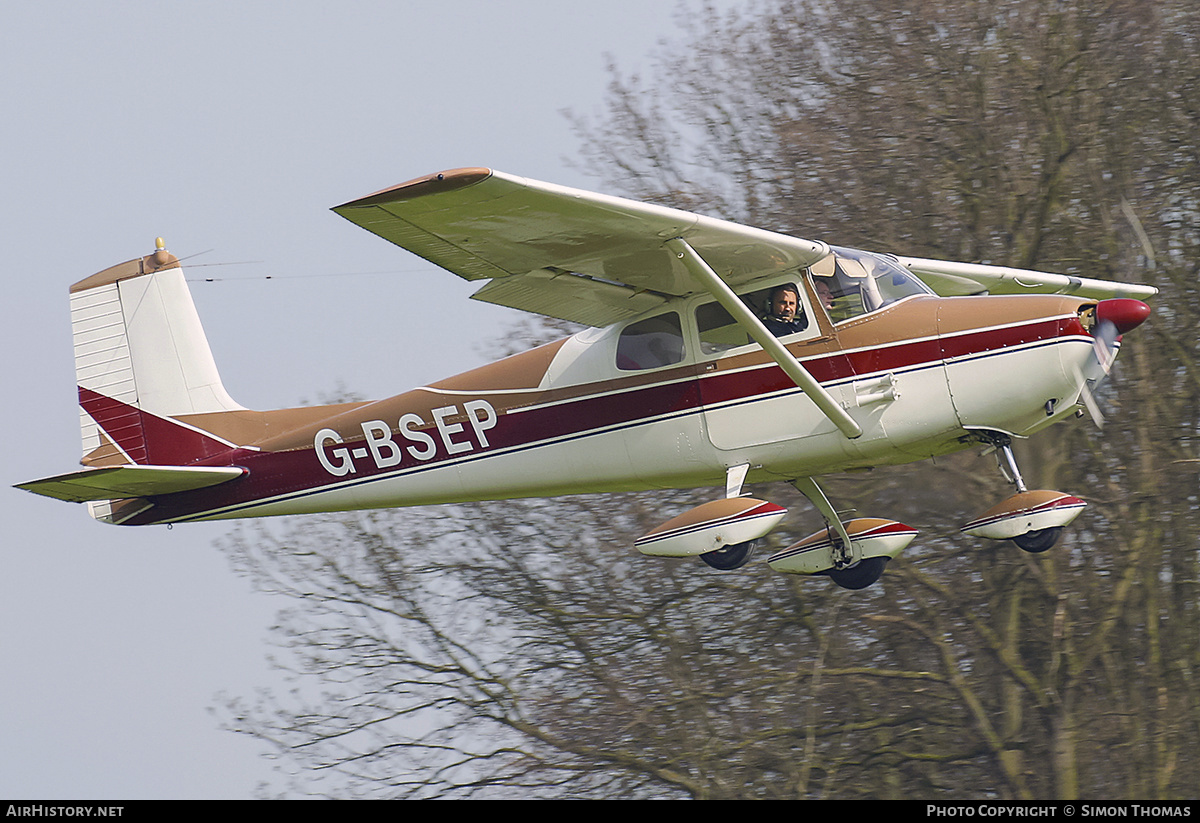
x: 677, y: 381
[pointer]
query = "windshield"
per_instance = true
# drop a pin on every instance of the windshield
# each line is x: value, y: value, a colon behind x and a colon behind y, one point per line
x: 851, y: 282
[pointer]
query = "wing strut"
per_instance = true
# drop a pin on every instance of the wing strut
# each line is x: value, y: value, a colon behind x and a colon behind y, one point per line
x: 792, y: 367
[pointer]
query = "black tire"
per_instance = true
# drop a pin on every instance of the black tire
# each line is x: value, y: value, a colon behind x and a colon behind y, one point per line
x: 861, y: 574
x: 730, y: 557
x: 1038, y: 541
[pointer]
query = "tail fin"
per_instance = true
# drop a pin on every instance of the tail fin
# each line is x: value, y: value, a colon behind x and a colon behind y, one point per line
x: 142, y: 362
x: 141, y: 358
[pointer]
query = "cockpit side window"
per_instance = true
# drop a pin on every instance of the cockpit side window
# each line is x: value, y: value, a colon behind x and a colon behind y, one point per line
x: 651, y: 343
x: 719, y: 331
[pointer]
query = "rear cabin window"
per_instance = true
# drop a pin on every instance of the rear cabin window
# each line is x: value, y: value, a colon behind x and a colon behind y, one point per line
x: 651, y: 343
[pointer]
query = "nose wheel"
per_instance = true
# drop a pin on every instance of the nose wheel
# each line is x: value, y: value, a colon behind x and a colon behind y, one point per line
x: 1036, y: 542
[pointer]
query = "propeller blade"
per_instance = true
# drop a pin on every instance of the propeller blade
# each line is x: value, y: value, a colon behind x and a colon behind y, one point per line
x: 1115, y: 317
x: 1104, y: 344
x: 1089, y: 400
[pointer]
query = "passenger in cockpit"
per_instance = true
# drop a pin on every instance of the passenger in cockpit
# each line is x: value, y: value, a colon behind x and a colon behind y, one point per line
x: 824, y: 293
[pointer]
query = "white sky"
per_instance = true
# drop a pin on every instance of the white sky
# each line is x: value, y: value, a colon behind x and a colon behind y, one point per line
x: 231, y: 126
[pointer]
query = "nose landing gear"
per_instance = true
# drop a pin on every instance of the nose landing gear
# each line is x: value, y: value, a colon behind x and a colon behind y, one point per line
x: 1033, y: 520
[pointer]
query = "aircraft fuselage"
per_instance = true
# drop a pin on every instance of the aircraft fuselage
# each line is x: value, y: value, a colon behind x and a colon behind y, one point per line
x: 571, y: 417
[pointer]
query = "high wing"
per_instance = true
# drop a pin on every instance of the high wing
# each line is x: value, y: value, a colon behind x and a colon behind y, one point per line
x: 563, y: 252
x: 596, y: 259
x: 951, y: 279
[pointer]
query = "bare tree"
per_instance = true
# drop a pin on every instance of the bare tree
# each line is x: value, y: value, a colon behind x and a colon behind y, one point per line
x: 523, y: 648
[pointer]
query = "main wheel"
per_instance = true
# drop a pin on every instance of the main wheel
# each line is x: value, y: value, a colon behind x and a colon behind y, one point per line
x: 1038, y: 541
x: 730, y: 557
x: 861, y: 574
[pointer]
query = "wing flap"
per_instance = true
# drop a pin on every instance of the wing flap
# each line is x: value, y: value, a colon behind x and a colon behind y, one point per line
x: 120, y: 482
x: 568, y: 296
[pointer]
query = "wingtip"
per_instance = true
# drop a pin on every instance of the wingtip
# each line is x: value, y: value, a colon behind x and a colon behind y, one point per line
x: 436, y: 183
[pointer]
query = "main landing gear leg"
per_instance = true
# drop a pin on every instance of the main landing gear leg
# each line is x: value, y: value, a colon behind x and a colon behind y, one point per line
x: 852, y: 553
x: 850, y: 569
x: 842, y: 544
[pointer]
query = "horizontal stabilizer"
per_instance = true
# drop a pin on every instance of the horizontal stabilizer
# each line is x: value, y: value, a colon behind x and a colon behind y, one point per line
x: 119, y: 482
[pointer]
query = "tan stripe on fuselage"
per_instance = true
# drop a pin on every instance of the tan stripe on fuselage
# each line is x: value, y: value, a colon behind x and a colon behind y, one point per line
x: 254, y: 428
x: 520, y: 371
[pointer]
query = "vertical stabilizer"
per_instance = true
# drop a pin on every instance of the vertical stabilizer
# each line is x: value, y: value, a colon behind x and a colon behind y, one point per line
x: 141, y: 358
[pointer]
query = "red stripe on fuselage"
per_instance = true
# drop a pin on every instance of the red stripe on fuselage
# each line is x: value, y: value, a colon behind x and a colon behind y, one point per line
x: 148, y: 438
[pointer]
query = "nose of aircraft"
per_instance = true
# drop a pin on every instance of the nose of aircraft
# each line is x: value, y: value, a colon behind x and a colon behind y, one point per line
x: 1123, y: 313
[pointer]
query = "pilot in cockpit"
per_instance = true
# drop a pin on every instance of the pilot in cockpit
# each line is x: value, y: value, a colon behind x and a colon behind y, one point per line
x: 785, y: 315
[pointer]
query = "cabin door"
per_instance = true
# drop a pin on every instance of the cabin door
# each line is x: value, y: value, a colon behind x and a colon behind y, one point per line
x: 747, y: 398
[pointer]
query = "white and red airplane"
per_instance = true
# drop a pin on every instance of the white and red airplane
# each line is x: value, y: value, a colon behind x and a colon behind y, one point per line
x: 679, y: 381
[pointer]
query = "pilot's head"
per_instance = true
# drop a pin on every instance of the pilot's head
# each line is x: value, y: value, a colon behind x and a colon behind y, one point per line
x: 785, y: 302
